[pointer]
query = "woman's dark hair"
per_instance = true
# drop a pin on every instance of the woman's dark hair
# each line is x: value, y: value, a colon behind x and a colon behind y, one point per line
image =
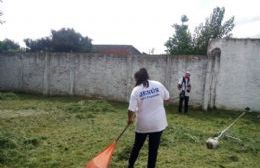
x: 142, y: 77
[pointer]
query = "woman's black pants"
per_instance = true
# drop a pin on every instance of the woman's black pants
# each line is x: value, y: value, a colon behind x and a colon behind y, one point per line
x: 154, y: 142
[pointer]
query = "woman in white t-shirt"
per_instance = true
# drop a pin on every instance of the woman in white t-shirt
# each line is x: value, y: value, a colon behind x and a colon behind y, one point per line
x: 147, y: 105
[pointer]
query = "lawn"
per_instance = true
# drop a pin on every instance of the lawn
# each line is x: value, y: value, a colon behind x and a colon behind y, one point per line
x: 66, y: 132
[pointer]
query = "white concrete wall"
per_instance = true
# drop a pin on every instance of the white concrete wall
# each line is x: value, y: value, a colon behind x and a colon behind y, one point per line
x: 238, y: 79
x: 10, y: 73
x: 110, y: 77
x: 229, y: 77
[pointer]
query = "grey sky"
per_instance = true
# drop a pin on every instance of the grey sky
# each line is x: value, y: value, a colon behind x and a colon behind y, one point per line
x: 146, y: 24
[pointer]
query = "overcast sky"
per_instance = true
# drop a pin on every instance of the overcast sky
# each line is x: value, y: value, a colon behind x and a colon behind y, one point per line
x: 145, y: 24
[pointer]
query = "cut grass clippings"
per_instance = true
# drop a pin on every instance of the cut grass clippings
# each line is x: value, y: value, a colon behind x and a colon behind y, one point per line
x: 50, y: 132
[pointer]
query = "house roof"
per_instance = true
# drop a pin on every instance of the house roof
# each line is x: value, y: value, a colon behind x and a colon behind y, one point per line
x: 116, y: 50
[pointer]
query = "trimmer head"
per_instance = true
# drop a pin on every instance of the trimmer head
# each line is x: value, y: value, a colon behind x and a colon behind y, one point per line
x: 212, y: 143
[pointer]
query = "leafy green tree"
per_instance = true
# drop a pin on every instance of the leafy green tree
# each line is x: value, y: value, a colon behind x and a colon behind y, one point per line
x: 8, y: 45
x: 63, y: 40
x: 181, y: 41
x: 67, y: 40
x: 212, y: 28
x: 43, y: 44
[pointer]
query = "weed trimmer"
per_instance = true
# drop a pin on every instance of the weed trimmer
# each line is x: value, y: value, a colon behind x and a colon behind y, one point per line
x: 213, y: 142
x: 103, y: 159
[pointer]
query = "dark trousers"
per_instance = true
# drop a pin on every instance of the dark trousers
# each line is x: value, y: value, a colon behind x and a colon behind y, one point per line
x: 154, y: 141
x: 185, y: 100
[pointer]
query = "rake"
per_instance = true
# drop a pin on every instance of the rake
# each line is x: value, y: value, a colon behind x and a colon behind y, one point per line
x: 103, y: 159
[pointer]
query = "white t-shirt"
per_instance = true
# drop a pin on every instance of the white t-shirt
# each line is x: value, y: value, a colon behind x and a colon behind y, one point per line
x: 147, y: 103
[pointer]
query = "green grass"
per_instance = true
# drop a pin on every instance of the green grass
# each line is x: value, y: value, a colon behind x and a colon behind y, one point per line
x: 50, y: 132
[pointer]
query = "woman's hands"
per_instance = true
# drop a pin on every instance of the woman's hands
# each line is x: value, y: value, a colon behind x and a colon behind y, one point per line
x: 131, y: 117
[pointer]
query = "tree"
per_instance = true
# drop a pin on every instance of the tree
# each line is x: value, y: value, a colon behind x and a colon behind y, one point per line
x: 67, y: 40
x: 181, y: 41
x: 63, y: 40
x: 212, y: 28
x: 43, y: 44
x: 8, y: 45
x: 184, y: 19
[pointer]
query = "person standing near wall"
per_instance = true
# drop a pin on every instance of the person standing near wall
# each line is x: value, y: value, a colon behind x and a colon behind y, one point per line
x: 147, y: 105
x: 184, y: 86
